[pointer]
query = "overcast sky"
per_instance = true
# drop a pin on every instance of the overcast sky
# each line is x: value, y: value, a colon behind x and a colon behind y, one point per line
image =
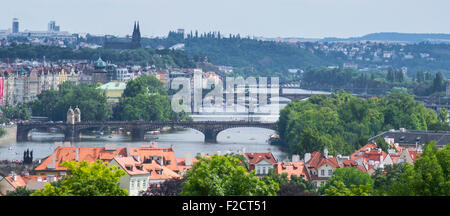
x: 268, y: 18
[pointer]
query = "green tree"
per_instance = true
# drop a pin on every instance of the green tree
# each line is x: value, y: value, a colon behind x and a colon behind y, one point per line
x: 296, y: 186
x: 54, y: 104
x: 145, y: 98
x: 443, y: 116
x: 438, y: 82
x: 427, y: 177
x: 86, y: 179
x: 15, y: 112
x: 20, y: 191
x: 381, y: 143
x: 224, y: 176
x: 348, y: 176
x: 338, y: 188
x: 343, y: 123
x: 385, y: 178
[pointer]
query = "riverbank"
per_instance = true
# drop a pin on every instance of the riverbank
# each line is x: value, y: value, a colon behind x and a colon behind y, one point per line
x: 10, y: 136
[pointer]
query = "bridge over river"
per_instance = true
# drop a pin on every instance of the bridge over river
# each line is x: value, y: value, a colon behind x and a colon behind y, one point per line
x: 72, y: 132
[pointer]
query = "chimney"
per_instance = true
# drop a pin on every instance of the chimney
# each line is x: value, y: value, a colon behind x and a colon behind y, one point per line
x: 325, y: 153
x: 295, y: 158
x: 307, y: 157
x: 128, y: 150
x: 50, y: 178
x: 187, y: 159
x: 14, y: 177
x: 77, y: 152
x: 54, y: 159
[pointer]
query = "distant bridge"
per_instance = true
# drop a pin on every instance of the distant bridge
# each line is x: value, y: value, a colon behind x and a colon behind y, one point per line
x: 72, y: 132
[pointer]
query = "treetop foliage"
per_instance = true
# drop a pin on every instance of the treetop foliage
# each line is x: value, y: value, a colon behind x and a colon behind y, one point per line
x: 86, y: 179
x: 224, y: 176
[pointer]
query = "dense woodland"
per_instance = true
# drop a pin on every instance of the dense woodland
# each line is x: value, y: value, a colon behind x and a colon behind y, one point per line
x: 249, y: 57
x: 143, y: 56
x: 343, y: 123
x: 373, y: 82
x: 144, y: 99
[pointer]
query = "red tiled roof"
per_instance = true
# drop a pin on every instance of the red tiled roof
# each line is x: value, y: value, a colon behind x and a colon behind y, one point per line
x: 90, y: 154
x: 292, y: 168
x: 154, y: 170
x: 362, y: 149
x: 255, y: 158
x: 19, y: 182
x: 167, y: 153
x: 317, y: 160
x: 182, y: 165
x: 413, y: 154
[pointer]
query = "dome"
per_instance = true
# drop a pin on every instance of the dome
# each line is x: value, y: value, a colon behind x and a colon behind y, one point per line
x: 70, y: 111
x: 100, y: 63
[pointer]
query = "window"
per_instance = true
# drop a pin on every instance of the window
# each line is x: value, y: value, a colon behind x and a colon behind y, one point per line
x: 138, y: 183
x: 330, y: 172
x: 132, y: 184
x: 322, y: 172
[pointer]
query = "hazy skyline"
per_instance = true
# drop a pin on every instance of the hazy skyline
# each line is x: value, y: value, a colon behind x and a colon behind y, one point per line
x: 267, y: 18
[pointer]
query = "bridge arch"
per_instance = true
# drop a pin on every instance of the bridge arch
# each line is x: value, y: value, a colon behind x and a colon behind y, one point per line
x: 24, y: 133
x: 245, y: 128
x: 210, y: 129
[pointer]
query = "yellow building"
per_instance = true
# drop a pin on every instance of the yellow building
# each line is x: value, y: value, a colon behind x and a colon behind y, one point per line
x: 113, y: 90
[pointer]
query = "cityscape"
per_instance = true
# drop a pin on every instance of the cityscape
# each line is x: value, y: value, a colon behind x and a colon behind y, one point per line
x: 212, y: 113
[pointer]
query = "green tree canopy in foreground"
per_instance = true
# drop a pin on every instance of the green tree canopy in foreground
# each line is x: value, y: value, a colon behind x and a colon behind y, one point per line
x: 224, y: 176
x: 20, y: 191
x: 338, y: 188
x: 86, y: 179
x: 349, y: 176
x: 428, y: 176
x: 296, y: 186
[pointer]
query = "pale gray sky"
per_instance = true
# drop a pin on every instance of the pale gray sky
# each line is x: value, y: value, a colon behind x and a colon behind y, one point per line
x: 268, y: 18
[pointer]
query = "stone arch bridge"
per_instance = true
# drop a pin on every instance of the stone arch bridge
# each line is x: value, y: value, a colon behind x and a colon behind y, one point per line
x: 72, y: 132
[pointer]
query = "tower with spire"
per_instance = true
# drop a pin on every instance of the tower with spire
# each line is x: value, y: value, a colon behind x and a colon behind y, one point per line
x: 134, y: 44
x: 136, y: 37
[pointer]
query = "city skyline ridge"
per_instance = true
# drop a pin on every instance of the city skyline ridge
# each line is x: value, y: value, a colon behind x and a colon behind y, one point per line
x: 225, y: 35
x: 265, y: 18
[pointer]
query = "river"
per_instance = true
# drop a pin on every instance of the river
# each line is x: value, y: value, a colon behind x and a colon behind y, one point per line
x: 183, y: 141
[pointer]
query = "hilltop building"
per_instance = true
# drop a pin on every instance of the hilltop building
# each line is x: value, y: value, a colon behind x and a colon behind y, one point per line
x: 134, y: 44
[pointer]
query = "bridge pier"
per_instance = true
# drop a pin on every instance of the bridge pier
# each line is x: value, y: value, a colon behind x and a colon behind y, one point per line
x: 137, y: 134
x: 22, y: 134
x: 211, y: 135
x: 71, y: 133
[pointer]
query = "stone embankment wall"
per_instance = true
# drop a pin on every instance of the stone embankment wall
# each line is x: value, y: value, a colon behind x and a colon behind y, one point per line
x: 10, y: 136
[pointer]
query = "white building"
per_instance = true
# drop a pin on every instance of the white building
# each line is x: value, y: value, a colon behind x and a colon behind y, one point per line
x: 123, y: 74
x: 136, y: 179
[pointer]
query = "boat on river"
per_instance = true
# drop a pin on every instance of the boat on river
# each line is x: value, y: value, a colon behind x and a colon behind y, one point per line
x: 274, y: 139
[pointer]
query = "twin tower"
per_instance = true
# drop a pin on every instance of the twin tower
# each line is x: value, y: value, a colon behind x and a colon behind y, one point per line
x: 73, y: 116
